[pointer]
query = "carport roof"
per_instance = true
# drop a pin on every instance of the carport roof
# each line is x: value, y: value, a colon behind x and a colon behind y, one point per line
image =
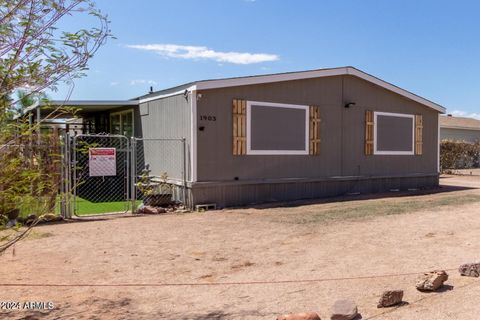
x: 83, y: 105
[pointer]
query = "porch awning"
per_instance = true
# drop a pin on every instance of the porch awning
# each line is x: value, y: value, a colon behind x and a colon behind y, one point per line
x: 81, y: 107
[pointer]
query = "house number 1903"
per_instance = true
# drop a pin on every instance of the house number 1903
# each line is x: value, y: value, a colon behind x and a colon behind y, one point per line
x: 208, y: 118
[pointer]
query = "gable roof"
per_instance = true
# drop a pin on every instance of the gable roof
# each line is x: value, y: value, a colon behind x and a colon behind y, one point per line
x: 459, y: 123
x: 289, y: 76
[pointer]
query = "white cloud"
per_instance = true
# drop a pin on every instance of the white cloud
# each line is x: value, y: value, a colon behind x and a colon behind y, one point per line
x: 142, y: 81
x: 460, y: 113
x: 114, y: 83
x: 195, y: 52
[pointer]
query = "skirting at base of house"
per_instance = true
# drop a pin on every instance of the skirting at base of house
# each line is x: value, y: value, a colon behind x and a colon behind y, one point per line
x: 244, y: 193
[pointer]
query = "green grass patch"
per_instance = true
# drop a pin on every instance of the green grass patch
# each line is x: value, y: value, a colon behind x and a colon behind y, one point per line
x: 370, y: 208
x: 85, y: 207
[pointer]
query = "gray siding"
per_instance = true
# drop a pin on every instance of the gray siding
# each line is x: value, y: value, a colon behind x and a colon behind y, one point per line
x: 471, y: 136
x: 240, y: 194
x: 368, y: 96
x: 167, y: 118
x: 342, y: 132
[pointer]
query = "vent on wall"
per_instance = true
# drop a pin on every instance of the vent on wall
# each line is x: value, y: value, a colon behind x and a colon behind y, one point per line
x: 144, y: 109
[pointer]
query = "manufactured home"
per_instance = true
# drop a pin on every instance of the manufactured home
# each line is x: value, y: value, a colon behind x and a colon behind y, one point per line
x: 280, y: 137
x: 459, y: 129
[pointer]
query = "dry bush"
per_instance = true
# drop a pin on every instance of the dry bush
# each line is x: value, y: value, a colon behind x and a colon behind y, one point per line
x: 30, y: 174
x: 459, y: 155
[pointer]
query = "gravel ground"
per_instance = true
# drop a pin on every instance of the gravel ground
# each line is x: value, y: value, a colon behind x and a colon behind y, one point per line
x: 249, y: 248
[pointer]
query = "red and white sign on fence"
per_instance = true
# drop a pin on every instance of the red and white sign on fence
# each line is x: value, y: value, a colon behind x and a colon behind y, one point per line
x: 102, y: 162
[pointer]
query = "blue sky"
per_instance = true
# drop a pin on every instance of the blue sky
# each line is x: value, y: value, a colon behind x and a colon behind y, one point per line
x: 431, y: 48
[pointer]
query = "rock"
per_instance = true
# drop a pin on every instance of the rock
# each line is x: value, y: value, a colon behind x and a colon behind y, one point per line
x: 300, y: 316
x: 470, y: 269
x: 49, y: 217
x: 431, y: 281
x: 147, y: 210
x: 390, y: 298
x: 11, y: 223
x: 151, y: 210
x: 161, y: 210
x: 344, y: 310
x: 31, y: 218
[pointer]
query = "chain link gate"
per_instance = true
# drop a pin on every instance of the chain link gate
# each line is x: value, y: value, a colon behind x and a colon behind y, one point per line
x: 107, y: 174
x: 100, y: 174
x: 159, y: 172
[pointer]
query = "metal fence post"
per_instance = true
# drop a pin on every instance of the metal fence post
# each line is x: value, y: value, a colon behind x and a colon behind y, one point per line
x: 68, y: 177
x: 128, y: 158
x: 133, y: 174
x: 63, y: 178
x: 184, y: 173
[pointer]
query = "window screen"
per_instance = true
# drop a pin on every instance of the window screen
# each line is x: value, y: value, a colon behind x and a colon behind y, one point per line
x: 277, y: 128
x: 394, y: 133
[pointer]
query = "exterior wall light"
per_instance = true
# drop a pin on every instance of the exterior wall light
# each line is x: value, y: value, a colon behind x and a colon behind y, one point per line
x: 350, y: 104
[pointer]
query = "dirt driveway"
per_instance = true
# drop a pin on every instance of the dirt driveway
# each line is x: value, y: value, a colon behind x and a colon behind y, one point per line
x: 264, y: 257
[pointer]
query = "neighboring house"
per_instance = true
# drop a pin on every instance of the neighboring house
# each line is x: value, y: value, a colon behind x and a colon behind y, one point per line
x: 285, y: 136
x: 459, y: 129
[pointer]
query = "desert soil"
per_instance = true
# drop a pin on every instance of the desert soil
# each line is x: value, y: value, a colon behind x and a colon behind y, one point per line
x: 271, y: 245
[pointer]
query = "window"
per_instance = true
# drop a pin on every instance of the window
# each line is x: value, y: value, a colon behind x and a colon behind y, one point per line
x: 122, y: 123
x: 277, y: 129
x: 394, y: 133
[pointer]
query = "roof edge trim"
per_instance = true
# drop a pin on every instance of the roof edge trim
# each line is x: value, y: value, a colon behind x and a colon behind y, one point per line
x: 171, y: 94
x: 234, y: 82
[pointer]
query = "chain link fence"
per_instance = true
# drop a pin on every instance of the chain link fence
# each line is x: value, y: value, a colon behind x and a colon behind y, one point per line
x: 101, y: 174
x: 159, y: 176
x: 92, y: 174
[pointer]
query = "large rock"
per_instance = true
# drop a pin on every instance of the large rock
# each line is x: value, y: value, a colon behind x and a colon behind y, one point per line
x: 431, y: 281
x: 390, y: 298
x: 300, y: 316
x: 344, y: 310
x: 470, y: 269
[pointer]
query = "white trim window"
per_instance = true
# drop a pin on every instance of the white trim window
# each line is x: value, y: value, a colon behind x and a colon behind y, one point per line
x: 294, y: 151
x: 122, y: 122
x: 384, y: 151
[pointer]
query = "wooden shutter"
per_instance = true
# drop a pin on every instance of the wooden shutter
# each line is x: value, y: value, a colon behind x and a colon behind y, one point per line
x: 418, y: 134
x: 314, y: 136
x: 239, y: 127
x: 368, y: 132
